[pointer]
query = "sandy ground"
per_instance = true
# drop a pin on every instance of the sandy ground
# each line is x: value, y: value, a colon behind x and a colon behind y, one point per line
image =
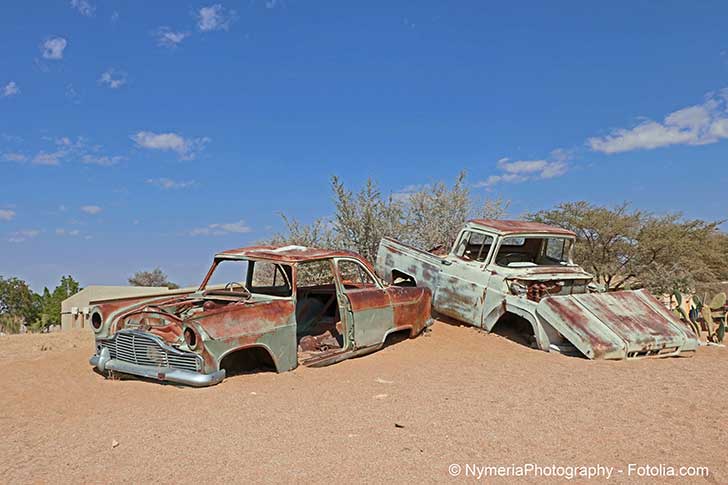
x: 406, y: 413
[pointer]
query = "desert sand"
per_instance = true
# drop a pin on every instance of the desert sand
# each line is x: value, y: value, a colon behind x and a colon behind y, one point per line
x: 406, y: 413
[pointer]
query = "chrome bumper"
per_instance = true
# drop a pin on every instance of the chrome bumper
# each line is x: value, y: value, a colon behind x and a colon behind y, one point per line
x: 103, y: 362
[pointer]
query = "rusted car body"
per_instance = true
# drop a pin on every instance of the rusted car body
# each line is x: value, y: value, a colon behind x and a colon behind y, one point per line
x: 522, y: 274
x: 285, y: 305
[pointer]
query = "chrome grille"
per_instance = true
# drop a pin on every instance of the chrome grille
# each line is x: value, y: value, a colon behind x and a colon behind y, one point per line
x: 138, y: 348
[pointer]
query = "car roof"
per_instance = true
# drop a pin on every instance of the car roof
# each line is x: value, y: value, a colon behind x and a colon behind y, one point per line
x: 505, y: 227
x: 288, y: 254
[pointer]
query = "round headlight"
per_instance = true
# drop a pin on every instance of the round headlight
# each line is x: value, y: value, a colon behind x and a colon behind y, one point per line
x: 96, y: 320
x: 190, y: 338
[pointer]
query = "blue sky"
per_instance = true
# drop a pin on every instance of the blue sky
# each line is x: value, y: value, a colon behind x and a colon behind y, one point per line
x: 143, y: 134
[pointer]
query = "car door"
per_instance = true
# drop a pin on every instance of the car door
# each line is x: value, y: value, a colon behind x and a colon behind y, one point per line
x: 368, y: 304
x: 464, y: 280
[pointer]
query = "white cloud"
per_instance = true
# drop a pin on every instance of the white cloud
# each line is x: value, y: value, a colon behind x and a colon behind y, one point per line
x: 6, y: 214
x: 238, y: 227
x: 53, y: 48
x: 10, y: 89
x: 72, y: 94
x: 102, y: 160
x: 84, y: 7
x: 186, y: 149
x: 113, y: 79
x: 91, y: 209
x: 48, y: 158
x: 167, y: 184
x: 166, y: 37
x: 65, y: 232
x: 14, y: 157
x: 24, y: 235
x: 214, y: 17
x: 695, y: 125
x: 523, y: 170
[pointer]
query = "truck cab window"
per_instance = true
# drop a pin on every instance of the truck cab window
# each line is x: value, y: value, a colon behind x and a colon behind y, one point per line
x: 474, y: 246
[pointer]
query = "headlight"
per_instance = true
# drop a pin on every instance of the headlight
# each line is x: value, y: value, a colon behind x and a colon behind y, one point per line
x: 190, y: 338
x: 97, y: 320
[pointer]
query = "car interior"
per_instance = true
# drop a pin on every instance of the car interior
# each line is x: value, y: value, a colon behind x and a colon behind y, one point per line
x: 319, y: 328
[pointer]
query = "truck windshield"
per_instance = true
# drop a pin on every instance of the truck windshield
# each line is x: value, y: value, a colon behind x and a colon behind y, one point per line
x: 523, y: 252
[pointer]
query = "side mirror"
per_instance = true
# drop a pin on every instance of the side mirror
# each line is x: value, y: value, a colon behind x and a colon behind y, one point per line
x: 446, y: 262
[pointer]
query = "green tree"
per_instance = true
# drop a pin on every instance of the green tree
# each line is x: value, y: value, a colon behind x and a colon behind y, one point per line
x: 18, y: 304
x: 50, y: 302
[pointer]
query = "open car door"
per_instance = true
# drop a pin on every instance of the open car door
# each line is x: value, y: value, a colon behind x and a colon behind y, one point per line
x: 368, y: 304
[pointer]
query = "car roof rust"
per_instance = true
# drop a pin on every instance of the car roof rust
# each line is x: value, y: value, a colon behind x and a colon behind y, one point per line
x: 288, y: 254
x: 520, y: 227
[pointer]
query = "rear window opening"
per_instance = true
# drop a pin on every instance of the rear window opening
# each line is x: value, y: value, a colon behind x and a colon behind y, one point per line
x: 524, y: 252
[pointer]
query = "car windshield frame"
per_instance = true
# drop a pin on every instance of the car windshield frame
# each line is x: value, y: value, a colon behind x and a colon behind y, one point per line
x: 247, y: 280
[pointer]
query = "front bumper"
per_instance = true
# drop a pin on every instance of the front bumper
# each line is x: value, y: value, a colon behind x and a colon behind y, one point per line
x: 103, y: 362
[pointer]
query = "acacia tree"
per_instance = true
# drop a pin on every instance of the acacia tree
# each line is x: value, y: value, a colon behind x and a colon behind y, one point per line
x: 155, y: 277
x: 631, y: 248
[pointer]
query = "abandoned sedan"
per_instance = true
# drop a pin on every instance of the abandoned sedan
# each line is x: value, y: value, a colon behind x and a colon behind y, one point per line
x: 520, y: 275
x: 283, y: 306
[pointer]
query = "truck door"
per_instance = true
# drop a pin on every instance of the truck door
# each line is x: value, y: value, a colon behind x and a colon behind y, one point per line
x: 368, y: 304
x: 463, y: 280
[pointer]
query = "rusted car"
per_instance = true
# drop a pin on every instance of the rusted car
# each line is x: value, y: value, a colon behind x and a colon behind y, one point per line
x: 285, y: 306
x: 519, y: 277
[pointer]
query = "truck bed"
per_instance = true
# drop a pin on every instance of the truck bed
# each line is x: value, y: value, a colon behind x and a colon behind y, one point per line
x: 396, y: 259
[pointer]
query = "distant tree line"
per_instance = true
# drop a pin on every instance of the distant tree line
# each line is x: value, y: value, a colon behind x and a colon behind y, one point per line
x: 20, y: 306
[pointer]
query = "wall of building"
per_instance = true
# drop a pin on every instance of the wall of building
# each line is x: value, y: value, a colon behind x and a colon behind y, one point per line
x: 75, y: 310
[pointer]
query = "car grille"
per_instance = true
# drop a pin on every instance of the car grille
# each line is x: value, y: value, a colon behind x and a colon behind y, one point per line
x: 141, y: 349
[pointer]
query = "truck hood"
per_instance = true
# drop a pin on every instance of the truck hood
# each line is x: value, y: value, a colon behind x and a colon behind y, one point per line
x: 618, y: 325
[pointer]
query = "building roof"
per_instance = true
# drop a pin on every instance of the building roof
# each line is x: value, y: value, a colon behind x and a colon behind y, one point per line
x: 290, y: 254
x: 520, y: 227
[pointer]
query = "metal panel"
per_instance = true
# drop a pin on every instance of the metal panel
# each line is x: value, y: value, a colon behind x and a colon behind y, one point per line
x: 581, y: 328
x: 615, y: 325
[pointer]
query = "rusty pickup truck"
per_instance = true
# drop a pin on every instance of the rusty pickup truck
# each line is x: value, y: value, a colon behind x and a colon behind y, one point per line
x: 520, y: 277
x: 282, y: 306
